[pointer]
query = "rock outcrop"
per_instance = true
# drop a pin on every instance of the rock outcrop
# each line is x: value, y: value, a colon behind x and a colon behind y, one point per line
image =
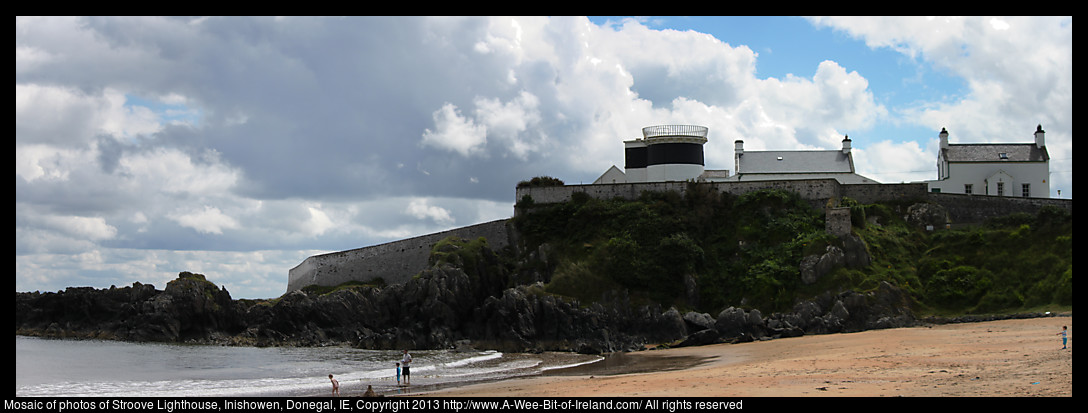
x: 853, y: 254
x: 463, y: 300
x: 189, y: 309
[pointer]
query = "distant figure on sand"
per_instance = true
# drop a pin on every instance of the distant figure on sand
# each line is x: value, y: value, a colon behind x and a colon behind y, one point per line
x: 1064, y: 335
x: 406, y: 364
x: 335, y: 386
x: 369, y: 392
x: 398, y: 373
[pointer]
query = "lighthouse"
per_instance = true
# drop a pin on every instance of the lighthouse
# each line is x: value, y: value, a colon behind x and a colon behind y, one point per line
x: 665, y: 153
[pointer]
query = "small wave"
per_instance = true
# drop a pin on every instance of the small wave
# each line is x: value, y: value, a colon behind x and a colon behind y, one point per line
x: 567, y: 366
x: 509, y: 368
x: 489, y: 355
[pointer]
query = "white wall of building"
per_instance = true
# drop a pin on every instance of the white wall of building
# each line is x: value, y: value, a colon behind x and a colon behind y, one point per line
x: 983, y: 178
x: 673, y: 172
x: 636, y: 175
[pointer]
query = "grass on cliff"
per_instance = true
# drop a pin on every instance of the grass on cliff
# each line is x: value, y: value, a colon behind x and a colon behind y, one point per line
x: 1018, y: 261
x: 706, y: 250
x: 314, y: 289
x: 459, y: 252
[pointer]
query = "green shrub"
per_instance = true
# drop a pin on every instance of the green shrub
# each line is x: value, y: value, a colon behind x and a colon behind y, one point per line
x: 540, y: 181
x: 575, y: 279
x: 459, y: 252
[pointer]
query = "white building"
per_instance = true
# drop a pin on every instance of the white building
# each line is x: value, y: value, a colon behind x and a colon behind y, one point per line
x: 1000, y: 169
x: 796, y: 164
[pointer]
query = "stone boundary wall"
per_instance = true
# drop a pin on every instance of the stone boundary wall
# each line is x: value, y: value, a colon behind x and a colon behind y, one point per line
x: 395, y: 262
x: 818, y: 191
x: 873, y: 193
x: 975, y: 209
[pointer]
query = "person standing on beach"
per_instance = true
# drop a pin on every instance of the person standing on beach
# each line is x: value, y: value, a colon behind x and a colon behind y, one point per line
x: 406, y: 365
x: 1064, y: 335
x: 398, y: 373
x: 335, y: 386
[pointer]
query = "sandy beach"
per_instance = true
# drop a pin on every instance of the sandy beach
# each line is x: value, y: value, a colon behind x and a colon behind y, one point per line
x: 1009, y: 358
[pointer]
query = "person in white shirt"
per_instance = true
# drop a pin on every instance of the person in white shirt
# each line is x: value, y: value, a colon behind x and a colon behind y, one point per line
x: 405, y: 367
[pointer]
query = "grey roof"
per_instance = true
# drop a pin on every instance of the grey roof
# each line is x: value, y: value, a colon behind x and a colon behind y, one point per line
x: 779, y: 162
x: 991, y: 152
x: 794, y: 165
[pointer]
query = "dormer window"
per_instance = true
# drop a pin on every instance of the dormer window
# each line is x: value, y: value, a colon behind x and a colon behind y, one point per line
x: 1003, y: 156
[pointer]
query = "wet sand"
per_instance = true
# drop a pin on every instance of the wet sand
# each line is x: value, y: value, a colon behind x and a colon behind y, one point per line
x: 1008, y: 358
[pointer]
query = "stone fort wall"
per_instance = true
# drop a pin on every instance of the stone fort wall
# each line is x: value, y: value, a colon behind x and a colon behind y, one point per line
x: 398, y: 261
x: 394, y: 262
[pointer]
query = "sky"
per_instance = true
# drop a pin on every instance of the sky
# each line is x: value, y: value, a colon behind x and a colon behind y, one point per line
x: 236, y: 147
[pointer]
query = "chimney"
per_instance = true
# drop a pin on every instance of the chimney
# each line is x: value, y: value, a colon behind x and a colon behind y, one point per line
x: 738, y: 150
x: 1039, y: 142
x: 846, y: 144
x: 944, y: 138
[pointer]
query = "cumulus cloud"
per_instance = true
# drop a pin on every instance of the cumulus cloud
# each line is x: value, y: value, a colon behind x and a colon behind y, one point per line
x: 514, y: 122
x: 894, y: 162
x: 455, y: 133
x: 421, y: 208
x: 208, y: 220
x: 61, y: 115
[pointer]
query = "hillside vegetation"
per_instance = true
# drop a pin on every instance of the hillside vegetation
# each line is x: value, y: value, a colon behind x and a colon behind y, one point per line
x: 705, y: 251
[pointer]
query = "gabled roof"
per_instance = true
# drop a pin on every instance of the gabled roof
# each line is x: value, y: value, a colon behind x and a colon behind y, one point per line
x: 794, y: 165
x: 780, y: 162
x: 995, y: 152
x: 612, y: 173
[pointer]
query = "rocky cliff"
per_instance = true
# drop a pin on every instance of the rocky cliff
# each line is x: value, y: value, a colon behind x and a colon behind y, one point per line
x: 463, y: 299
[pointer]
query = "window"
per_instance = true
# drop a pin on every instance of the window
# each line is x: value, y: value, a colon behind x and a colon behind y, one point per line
x: 1000, y: 189
x: 1025, y: 190
x: 967, y: 189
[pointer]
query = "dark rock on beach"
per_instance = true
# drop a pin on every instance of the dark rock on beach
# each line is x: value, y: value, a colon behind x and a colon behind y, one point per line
x: 189, y: 309
x: 458, y: 302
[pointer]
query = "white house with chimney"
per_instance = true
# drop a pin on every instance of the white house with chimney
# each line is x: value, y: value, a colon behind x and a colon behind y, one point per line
x: 996, y: 169
x: 796, y: 164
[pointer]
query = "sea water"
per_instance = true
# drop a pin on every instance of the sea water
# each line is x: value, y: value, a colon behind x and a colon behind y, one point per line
x: 80, y: 368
